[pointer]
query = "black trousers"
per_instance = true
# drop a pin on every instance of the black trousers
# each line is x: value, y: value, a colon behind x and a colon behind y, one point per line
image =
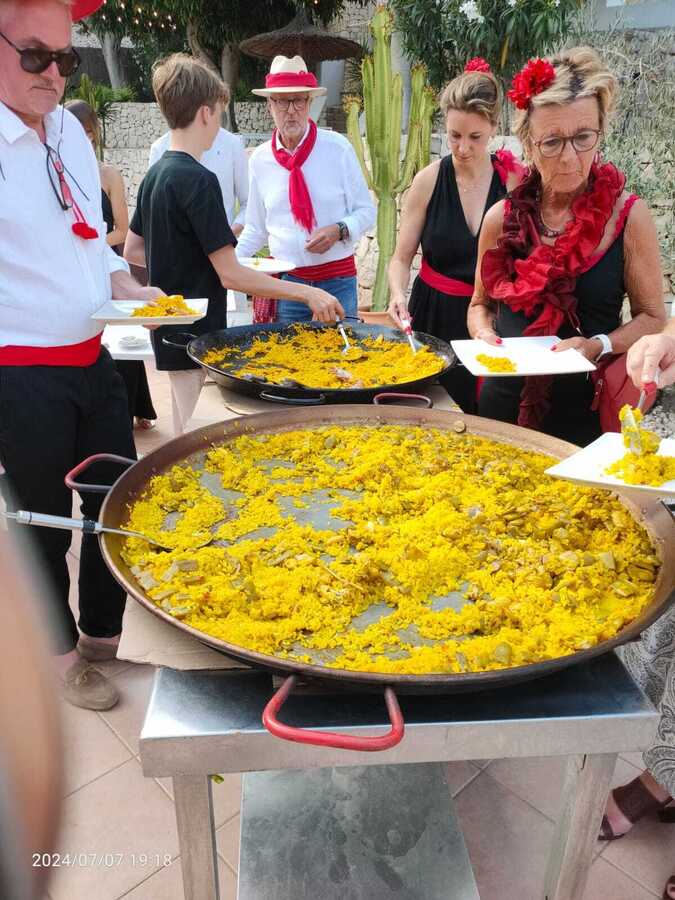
x: 51, y: 418
x: 138, y: 390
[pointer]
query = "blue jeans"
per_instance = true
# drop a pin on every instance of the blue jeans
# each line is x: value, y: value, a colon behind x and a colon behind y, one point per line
x: 343, y: 289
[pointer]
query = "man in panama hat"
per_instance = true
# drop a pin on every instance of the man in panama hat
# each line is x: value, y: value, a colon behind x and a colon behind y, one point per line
x: 308, y: 200
x: 61, y: 399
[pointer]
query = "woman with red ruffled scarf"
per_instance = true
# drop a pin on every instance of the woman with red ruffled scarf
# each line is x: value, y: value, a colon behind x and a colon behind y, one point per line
x: 558, y: 255
x: 556, y: 258
x: 444, y: 210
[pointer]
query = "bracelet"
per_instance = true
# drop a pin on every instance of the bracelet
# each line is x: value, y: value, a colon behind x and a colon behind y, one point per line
x: 343, y: 231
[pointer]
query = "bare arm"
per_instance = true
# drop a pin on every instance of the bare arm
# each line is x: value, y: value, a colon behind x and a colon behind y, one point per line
x: 118, y: 201
x: 236, y: 277
x: 482, y: 311
x: 413, y: 217
x: 134, y: 249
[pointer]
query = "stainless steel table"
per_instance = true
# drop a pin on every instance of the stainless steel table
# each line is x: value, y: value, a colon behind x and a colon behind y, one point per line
x: 207, y: 722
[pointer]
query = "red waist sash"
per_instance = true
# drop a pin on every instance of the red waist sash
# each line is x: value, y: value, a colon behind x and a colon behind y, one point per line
x: 82, y: 354
x: 443, y: 283
x: 339, y: 268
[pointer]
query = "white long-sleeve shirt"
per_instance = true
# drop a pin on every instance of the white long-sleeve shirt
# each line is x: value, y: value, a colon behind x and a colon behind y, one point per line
x: 339, y: 194
x: 228, y: 161
x: 51, y: 280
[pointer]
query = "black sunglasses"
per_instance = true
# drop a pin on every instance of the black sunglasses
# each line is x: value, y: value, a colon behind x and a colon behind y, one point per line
x: 36, y: 60
x: 59, y: 184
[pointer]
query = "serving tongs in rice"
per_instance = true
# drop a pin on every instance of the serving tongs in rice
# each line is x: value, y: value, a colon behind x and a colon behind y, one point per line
x: 630, y: 431
x: 89, y: 526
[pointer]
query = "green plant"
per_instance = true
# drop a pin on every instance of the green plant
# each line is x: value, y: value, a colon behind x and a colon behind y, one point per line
x: 444, y: 34
x: 383, y: 103
x: 102, y: 98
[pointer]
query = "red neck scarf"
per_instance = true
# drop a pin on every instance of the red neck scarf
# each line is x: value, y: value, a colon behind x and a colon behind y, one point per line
x: 298, y: 194
x: 538, y: 279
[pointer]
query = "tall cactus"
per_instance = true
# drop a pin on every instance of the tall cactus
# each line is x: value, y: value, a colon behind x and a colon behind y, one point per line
x: 388, y: 176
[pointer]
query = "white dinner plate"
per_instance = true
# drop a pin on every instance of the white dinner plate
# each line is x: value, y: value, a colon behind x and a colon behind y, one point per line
x: 266, y: 264
x: 530, y: 356
x: 588, y: 465
x: 120, y: 312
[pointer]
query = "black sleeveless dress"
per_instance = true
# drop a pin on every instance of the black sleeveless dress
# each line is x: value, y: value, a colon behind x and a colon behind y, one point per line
x: 451, y: 250
x: 132, y: 370
x: 599, y: 293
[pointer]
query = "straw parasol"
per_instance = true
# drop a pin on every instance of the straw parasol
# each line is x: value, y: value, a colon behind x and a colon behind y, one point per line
x: 301, y: 37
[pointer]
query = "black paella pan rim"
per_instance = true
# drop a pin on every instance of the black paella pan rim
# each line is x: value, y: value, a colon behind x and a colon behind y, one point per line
x: 649, y: 513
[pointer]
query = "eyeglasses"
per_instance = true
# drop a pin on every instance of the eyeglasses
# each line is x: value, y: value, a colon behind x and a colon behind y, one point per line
x: 298, y: 103
x: 36, y: 60
x: 582, y: 141
x: 59, y: 184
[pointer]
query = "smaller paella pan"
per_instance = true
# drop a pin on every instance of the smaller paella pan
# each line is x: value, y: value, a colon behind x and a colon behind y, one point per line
x: 305, y: 364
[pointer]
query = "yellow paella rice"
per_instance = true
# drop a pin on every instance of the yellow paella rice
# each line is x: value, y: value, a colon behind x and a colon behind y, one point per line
x: 475, y: 559
x: 313, y: 358
x: 496, y: 363
x: 173, y: 305
x: 644, y: 468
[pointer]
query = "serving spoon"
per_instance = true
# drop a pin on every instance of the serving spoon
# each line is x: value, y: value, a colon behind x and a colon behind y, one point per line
x: 89, y: 526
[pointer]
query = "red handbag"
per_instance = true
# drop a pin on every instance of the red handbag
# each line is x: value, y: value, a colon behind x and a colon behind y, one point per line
x: 613, y: 389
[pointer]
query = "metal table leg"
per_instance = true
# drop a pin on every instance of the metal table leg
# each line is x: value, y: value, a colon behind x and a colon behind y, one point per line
x: 197, y: 836
x: 584, y: 795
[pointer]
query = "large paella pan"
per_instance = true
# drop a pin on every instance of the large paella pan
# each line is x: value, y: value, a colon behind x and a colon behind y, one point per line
x: 227, y: 356
x: 623, y: 547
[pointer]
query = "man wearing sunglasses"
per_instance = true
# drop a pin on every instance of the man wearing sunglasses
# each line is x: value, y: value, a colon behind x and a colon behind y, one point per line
x: 61, y: 399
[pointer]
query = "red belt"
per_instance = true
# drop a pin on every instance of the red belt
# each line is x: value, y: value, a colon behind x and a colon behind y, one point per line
x: 443, y: 283
x: 340, y: 268
x: 83, y: 354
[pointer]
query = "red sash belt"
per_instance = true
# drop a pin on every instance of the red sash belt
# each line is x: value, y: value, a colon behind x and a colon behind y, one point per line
x: 83, y: 354
x: 339, y: 268
x: 443, y: 283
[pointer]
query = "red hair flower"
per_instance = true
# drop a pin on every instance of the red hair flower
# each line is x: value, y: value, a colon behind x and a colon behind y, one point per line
x: 535, y: 76
x: 477, y: 64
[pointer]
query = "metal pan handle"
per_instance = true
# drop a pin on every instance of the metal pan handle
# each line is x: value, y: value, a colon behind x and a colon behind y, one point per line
x: 383, y: 399
x: 81, y: 488
x: 330, y: 738
x: 293, y: 401
x: 175, y: 340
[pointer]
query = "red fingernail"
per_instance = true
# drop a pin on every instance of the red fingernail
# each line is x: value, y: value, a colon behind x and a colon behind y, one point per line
x: 500, y: 341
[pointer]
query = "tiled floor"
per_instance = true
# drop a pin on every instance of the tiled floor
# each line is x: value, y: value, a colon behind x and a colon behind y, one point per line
x: 506, y: 807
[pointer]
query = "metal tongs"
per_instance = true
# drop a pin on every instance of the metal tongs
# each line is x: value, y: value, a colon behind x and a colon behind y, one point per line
x: 629, y: 427
x: 407, y: 330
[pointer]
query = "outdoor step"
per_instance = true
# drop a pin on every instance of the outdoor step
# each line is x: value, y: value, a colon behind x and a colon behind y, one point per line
x: 361, y: 833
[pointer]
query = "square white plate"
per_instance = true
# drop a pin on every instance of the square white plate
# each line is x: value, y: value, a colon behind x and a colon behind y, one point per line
x: 530, y: 356
x: 588, y: 465
x: 266, y: 264
x: 120, y: 312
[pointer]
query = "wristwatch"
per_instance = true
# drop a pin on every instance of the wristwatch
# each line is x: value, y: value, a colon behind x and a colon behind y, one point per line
x: 344, y: 231
x: 606, y: 345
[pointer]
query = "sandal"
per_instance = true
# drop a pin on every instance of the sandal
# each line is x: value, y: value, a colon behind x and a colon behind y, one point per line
x: 145, y: 424
x: 635, y: 801
x: 666, y: 891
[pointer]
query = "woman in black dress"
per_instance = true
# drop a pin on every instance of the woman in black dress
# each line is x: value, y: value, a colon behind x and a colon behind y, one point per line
x: 444, y: 210
x: 116, y: 217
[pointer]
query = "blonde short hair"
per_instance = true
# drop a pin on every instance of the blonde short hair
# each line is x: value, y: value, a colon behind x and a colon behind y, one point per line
x: 473, y: 92
x: 579, y: 73
x: 182, y: 85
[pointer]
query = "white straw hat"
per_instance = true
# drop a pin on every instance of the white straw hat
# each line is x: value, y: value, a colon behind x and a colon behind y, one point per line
x: 289, y: 76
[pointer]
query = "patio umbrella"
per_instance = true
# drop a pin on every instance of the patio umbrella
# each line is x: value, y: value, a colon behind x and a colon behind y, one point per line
x: 300, y: 37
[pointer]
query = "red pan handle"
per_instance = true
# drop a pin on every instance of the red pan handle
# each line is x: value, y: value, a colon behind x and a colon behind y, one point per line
x: 73, y: 485
x: 380, y: 399
x: 330, y: 738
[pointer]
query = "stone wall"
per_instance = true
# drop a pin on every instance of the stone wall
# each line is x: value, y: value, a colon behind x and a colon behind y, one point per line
x: 137, y: 125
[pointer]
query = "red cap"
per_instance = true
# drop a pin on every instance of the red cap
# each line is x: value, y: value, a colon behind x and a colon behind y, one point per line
x: 80, y: 9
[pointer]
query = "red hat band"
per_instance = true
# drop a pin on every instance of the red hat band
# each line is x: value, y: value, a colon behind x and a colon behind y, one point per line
x: 80, y: 9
